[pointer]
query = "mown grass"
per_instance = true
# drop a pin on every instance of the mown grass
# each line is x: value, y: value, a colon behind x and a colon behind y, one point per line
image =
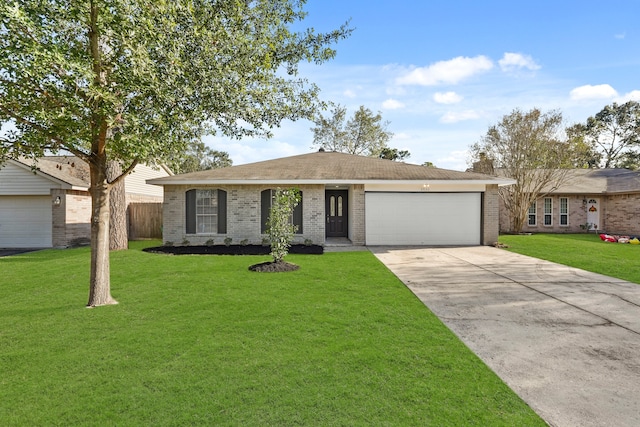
x: 200, y: 340
x: 585, y: 251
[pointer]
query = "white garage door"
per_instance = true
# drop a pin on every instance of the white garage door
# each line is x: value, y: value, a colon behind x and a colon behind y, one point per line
x: 423, y: 218
x: 25, y: 222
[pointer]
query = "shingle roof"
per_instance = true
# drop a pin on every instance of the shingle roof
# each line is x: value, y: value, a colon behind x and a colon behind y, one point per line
x: 68, y: 169
x: 606, y: 181
x: 326, y: 167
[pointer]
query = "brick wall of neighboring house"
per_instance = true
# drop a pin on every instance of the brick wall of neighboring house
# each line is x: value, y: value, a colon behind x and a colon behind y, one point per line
x: 619, y: 214
x: 243, y: 215
x: 71, y: 218
x: 622, y: 214
x: 577, y: 215
x: 357, y: 227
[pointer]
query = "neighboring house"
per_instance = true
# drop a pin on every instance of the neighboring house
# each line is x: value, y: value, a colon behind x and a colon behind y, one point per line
x: 367, y: 200
x: 589, y: 199
x: 51, y: 205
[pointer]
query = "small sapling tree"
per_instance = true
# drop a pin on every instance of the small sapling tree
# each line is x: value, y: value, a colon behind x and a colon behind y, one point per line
x: 279, y: 225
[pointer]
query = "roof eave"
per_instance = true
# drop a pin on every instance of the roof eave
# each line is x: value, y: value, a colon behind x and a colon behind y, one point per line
x: 170, y: 181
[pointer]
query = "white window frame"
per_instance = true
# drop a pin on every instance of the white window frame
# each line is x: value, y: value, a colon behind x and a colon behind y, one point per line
x: 531, y: 214
x: 548, y: 212
x: 206, y: 211
x: 564, y: 212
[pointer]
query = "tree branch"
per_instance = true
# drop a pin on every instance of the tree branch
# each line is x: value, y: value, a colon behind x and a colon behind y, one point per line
x: 125, y: 173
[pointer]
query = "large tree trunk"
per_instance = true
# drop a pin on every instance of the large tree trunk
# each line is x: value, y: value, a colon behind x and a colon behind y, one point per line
x: 118, y: 233
x: 100, y: 283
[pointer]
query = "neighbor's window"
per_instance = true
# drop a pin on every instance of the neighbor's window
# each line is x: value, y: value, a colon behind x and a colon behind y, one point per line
x: 531, y: 214
x: 564, y: 211
x: 206, y: 211
x: 266, y: 198
x: 548, y: 211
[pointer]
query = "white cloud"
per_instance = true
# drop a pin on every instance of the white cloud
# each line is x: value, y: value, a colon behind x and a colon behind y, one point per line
x: 516, y: 61
x: 447, y: 98
x: 634, y: 95
x: 452, y: 71
x: 586, y: 92
x: 392, y: 104
x: 401, y: 136
x: 456, y: 160
x: 459, y: 116
x: 349, y: 93
x: 620, y: 36
x: 249, y: 150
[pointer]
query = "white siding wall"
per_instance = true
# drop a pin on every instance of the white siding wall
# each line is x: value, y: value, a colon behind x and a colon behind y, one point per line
x: 135, y: 182
x: 18, y: 180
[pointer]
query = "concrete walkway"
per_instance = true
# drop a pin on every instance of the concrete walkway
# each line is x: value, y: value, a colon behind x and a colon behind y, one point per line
x: 565, y: 340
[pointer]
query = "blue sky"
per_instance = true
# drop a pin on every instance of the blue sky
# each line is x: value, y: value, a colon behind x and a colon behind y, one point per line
x: 441, y: 72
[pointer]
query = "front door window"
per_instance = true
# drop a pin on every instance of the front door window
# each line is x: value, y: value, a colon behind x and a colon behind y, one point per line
x: 336, y: 211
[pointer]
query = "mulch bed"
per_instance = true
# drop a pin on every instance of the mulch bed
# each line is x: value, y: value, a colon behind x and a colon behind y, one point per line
x: 274, y: 267
x: 232, y: 250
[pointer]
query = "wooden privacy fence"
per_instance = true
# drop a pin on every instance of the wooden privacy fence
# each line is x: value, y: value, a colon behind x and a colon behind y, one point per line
x: 145, y: 221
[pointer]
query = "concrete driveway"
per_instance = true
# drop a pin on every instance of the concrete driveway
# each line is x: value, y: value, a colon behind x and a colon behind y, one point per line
x: 565, y: 340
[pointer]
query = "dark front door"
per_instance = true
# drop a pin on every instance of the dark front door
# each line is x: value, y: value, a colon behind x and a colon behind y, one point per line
x: 336, y: 211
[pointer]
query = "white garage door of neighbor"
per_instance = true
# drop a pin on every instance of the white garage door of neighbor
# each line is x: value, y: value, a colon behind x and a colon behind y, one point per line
x: 25, y: 222
x: 423, y: 218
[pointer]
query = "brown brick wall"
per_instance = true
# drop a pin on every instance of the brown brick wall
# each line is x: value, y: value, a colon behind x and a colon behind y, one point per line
x: 622, y: 214
x: 490, y: 215
x: 619, y: 214
x: 71, y: 219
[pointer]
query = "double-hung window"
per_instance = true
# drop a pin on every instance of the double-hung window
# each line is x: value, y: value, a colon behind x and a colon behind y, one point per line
x: 548, y: 211
x: 206, y: 211
x: 564, y: 211
x: 531, y: 215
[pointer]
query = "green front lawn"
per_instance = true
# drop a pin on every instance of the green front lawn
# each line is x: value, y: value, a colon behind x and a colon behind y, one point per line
x: 200, y: 340
x: 585, y: 251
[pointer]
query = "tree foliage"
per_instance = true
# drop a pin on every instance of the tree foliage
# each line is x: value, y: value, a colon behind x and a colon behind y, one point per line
x: 363, y: 134
x: 394, y: 154
x: 527, y: 147
x: 280, y: 228
x: 584, y: 153
x: 200, y: 157
x: 615, y: 132
x: 136, y: 80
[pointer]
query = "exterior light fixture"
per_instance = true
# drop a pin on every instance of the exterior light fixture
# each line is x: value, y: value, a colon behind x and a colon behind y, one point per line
x: 57, y: 201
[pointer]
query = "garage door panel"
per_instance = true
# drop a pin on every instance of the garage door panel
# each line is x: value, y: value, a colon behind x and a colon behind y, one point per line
x: 423, y: 219
x: 25, y: 222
